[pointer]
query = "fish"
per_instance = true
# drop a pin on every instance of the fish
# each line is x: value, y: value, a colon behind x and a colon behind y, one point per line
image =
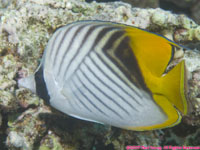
x: 113, y: 74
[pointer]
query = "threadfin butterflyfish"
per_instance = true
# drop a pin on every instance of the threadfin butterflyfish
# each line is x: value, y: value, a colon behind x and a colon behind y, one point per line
x: 113, y: 74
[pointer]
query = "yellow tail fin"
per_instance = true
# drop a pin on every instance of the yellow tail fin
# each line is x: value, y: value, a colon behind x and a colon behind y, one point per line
x: 174, y: 87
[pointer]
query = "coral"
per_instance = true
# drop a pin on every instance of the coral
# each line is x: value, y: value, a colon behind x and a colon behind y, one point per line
x: 25, y: 98
x: 190, y: 7
x: 52, y: 142
x: 5, y: 3
x: 26, y: 129
x: 7, y: 101
x: 143, y: 3
x: 25, y: 28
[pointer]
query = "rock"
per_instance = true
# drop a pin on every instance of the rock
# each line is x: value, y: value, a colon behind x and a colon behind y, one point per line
x: 8, y: 102
x: 143, y: 3
x: 52, y: 142
x: 0, y: 120
x: 27, y: 129
x: 26, y: 98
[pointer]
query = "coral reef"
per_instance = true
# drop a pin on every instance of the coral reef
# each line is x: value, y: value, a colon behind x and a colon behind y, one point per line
x: 143, y: 3
x: 190, y: 7
x: 27, y: 123
x: 26, y: 129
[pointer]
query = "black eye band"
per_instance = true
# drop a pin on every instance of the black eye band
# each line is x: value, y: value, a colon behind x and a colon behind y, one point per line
x: 41, y: 88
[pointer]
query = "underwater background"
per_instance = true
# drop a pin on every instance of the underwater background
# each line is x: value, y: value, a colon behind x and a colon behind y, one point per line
x: 27, y: 122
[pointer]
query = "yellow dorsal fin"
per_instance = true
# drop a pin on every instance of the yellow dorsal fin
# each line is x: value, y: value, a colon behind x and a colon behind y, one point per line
x: 174, y: 86
x: 151, y: 50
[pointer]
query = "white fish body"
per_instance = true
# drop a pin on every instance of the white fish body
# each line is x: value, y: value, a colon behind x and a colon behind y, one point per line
x: 81, y: 76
